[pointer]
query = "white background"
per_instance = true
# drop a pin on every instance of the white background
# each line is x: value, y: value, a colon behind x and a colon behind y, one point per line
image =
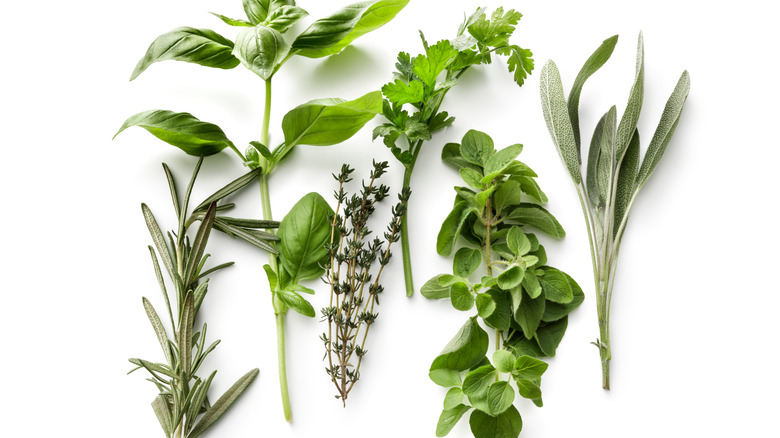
x: 695, y: 337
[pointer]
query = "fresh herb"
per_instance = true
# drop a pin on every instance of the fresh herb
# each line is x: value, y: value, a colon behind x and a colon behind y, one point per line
x: 263, y: 47
x: 183, y: 407
x: 523, y: 299
x: 424, y: 80
x: 354, y: 290
x: 614, y: 176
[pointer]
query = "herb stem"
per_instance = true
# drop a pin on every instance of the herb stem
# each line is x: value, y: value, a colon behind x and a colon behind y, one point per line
x: 405, y: 251
x: 282, y: 366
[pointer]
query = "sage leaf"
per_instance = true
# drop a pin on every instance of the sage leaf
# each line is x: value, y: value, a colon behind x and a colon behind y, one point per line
x: 667, y: 125
x: 529, y: 368
x: 505, y: 425
x: 465, y: 350
x: 326, y: 122
x: 433, y: 290
x: 537, y: 217
x: 260, y: 50
x: 330, y: 35
x: 304, y: 231
x: 556, y: 115
x: 182, y: 130
x: 223, y: 403
x: 500, y: 397
x: 199, y: 46
x: 626, y: 181
x: 448, y: 419
x: 592, y: 65
x: 625, y: 129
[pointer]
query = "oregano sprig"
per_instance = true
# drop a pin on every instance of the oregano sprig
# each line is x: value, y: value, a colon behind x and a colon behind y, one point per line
x: 182, y: 406
x: 353, y: 274
x: 518, y: 295
x: 422, y: 83
x: 614, y: 175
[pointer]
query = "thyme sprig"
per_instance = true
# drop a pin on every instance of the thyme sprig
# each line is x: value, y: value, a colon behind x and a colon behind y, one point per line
x: 354, y: 290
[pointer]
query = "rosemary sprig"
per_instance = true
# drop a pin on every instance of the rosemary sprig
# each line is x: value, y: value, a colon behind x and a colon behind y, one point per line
x: 182, y: 406
x: 354, y: 291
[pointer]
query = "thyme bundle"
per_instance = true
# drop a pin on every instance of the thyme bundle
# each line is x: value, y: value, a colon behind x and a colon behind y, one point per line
x: 354, y: 291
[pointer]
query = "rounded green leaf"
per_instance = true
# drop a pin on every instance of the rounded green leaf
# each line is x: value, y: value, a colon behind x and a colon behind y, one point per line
x: 505, y: 425
x: 453, y: 399
x: 517, y: 242
x: 556, y: 287
x: 284, y: 16
x: 465, y: 350
x: 555, y: 311
x: 477, y: 147
x: 303, y: 233
x: 528, y: 389
x: 537, y: 217
x: 549, y: 335
x: 461, y: 296
x: 504, y: 361
x: 499, y: 161
x: 296, y: 302
x: 449, y: 418
x: 477, y: 381
x: 485, y: 305
x: 466, y: 261
x: 529, y: 368
x: 257, y: 10
x: 182, y: 130
x: 433, y: 290
x: 528, y: 314
x: 260, y: 49
x: 446, y: 378
x: 500, y: 397
x: 199, y: 46
x: 510, y: 278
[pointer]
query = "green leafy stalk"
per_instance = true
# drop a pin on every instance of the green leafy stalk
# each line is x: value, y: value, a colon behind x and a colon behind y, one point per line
x: 262, y: 46
x: 523, y: 299
x: 614, y: 176
x: 182, y: 406
x: 422, y: 82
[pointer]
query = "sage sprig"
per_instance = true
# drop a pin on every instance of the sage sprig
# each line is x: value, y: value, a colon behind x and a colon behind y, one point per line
x: 518, y: 295
x: 614, y: 175
x: 182, y: 406
x: 263, y: 46
x: 423, y: 81
x: 353, y: 275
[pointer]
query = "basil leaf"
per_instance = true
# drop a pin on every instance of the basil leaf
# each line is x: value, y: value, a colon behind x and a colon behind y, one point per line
x: 257, y: 10
x: 182, y: 130
x: 296, y: 302
x: 330, y: 35
x: 505, y: 425
x: 199, y: 46
x: 284, y: 17
x: 556, y: 115
x: 448, y: 419
x: 232, y: 21
x: 303, y: 233
x: 260, y: 50
x: 326, y: 122
x: 465, y: 350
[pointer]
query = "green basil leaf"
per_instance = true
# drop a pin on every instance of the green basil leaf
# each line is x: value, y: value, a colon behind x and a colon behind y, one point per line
x: 500, y: 397
x: 592, y: 65
x: 477, y: 148
x: 260, y: 50
x: 450, y: 229
x: 257, y: 10
x: 505, y: 425
x: 330, y: 35
x: 435, y: 291
x: 667, y: 125
x: 485, y: 305
x: 477, y: 381
x: 466, y: 349
x: 556, y: 287
x: 326, y: 122
x: 504, y: 361
x: 449, y: 418
x: 528, y: 389
x: 556, y: 115
x: 461, y: 296
x: 549, y: 335
x: 296, y: 302
x: 303, y: 233
x: 529, y: 368
x: 284, y: 17
x: 199, y: 46
x: 555, y: 311
x: 232, y: 21
x: 498, y: 162
x: 466, y: 261
x: 625, y: 129
x: 537, y: 217
x: 182, y: 130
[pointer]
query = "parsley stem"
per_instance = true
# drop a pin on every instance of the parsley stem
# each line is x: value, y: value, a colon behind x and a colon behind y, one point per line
x: 405, y: 251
